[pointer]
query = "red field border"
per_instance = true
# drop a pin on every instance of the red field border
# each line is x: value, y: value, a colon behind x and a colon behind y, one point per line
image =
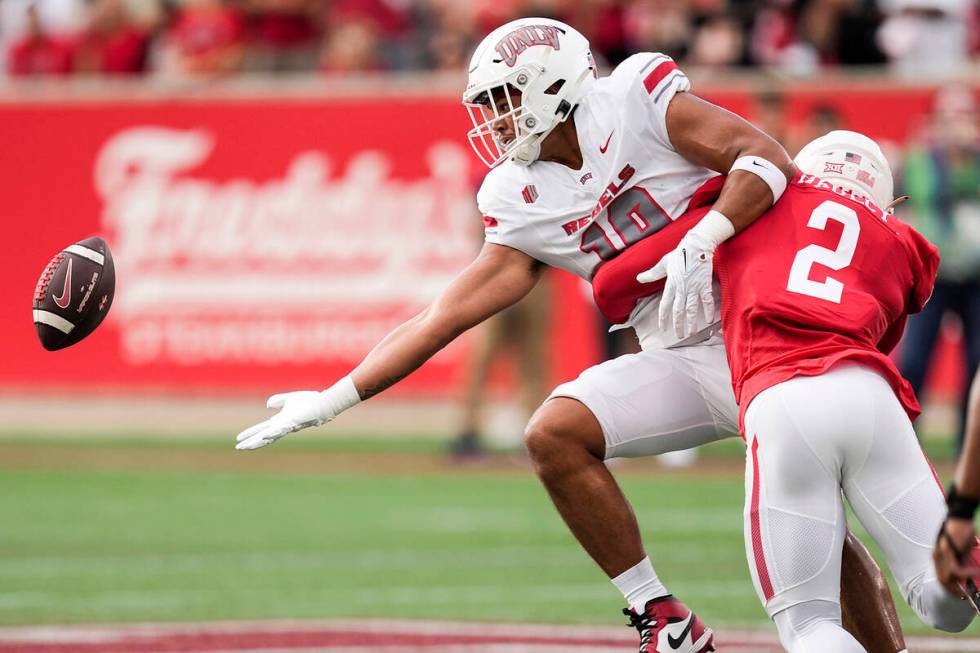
x: 383, y: 636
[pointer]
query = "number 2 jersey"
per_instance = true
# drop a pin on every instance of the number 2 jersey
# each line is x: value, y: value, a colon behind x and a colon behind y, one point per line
x: 821, y: 278
x: 632, y: 182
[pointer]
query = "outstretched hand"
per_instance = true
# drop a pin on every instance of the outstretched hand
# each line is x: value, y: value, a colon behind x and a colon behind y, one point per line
x: 298, y: 410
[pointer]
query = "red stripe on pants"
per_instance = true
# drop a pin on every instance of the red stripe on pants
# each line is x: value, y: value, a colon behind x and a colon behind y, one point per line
x: 760, y: 559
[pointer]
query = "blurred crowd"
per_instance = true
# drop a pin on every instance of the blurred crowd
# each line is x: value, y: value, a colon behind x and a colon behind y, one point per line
x: 220, y: 37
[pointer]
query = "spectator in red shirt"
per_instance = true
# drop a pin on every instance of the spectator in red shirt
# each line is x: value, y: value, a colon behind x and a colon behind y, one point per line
x: 284, y: 34
x: 207, y: 37
x: 38, y: 53
x: 112, y: 43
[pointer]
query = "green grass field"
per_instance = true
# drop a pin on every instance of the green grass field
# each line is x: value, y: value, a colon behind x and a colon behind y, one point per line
x: 140, y: 531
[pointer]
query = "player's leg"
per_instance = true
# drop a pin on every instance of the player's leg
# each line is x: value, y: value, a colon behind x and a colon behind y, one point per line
x: 635, y: 405
x: 895, y: 494
x: 921, y: 334
x: 640, y: 404
x: 867, y: 609
x: 794, y: 519
x: 687, y: 401
x: 566, y: 445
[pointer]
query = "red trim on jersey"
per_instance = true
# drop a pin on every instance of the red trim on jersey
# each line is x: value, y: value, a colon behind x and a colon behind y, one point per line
x: 657, y: 75
x: 757, y: 552
x: 489, y: 222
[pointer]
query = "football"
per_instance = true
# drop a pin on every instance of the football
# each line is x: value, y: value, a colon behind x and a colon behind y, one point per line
x: 74, y: 293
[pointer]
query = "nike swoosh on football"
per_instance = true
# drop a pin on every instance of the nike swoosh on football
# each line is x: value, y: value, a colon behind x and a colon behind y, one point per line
x: 65, y: 298
x: 603, y: 148
x: 675, y: 642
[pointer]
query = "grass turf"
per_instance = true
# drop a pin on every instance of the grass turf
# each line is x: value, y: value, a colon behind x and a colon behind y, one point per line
x: 81, y: 545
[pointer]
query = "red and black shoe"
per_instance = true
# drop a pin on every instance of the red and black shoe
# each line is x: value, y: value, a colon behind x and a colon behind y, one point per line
x: 668, y: 626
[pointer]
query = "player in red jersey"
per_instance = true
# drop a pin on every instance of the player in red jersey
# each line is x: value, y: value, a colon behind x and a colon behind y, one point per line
x: 815, y: 294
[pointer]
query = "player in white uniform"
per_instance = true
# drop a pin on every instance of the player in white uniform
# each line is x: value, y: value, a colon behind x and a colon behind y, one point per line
x: 586, y: 167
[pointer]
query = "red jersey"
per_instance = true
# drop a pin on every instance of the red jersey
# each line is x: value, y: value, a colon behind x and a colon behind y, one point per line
x: 822, y: 277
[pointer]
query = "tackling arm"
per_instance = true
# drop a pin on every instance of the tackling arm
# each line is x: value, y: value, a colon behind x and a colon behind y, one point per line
x: 710, y: 136
x: 758, y: 171
x: 499, y: 277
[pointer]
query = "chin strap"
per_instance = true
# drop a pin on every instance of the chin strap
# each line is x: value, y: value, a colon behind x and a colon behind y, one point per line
x: 895, y: 202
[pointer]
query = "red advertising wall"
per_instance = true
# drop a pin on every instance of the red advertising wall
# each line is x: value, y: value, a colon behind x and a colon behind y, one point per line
x: 267, y: 243
x: 258, y: 244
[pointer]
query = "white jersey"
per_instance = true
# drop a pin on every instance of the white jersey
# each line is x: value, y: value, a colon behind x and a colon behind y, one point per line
x: 632, y: 182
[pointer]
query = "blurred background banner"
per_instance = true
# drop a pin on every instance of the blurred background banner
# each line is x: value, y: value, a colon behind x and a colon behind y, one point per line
x: 258, y: 243
x: 270, y: 238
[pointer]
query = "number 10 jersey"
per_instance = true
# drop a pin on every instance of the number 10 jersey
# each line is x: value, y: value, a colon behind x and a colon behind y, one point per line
x: 631, y: 184
x: 821, y: 278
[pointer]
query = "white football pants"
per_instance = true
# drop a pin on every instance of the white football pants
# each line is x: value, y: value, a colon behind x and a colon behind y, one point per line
x: 659, y: 400
x: 809, y: 439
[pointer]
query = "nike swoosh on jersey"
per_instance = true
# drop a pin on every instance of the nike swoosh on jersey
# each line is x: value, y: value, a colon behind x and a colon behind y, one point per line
x: 603, y: 148
x: 65, y: 298
x: 676, y: 642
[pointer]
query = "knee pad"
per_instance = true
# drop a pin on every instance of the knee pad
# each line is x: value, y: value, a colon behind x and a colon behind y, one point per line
x: 814, y: 627
x: 938, y: 608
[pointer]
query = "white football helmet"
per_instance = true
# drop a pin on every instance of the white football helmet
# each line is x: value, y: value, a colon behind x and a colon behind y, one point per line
x: 548, y: 62
x: 852, y: 161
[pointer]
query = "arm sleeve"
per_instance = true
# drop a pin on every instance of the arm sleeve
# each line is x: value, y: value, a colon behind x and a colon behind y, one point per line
x: 615, y: 288
x: 649, y: 81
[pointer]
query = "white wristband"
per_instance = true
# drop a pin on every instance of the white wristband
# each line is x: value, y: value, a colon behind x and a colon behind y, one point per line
x: 714, y: 228
x: 766, y: 170
x: 340, y: 396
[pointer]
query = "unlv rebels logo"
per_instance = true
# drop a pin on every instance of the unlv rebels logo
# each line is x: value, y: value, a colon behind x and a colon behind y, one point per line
x: 511, y: 46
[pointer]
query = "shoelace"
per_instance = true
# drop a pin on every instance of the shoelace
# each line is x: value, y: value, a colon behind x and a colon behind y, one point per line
x: 644, y: 623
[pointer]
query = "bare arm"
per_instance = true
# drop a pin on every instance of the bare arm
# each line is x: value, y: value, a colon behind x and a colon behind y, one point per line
x: 712, y: 137
x: 968, y: 468
x: 957, y: 537
x: 499, y: 277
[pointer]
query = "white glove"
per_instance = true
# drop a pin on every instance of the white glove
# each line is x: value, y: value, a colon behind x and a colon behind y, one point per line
x: 299, y: 410
x: 688, y: 270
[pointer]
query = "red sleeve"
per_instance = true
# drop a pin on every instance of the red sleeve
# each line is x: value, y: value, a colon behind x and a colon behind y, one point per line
x: 615, y: 288
x: 924, y: 260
